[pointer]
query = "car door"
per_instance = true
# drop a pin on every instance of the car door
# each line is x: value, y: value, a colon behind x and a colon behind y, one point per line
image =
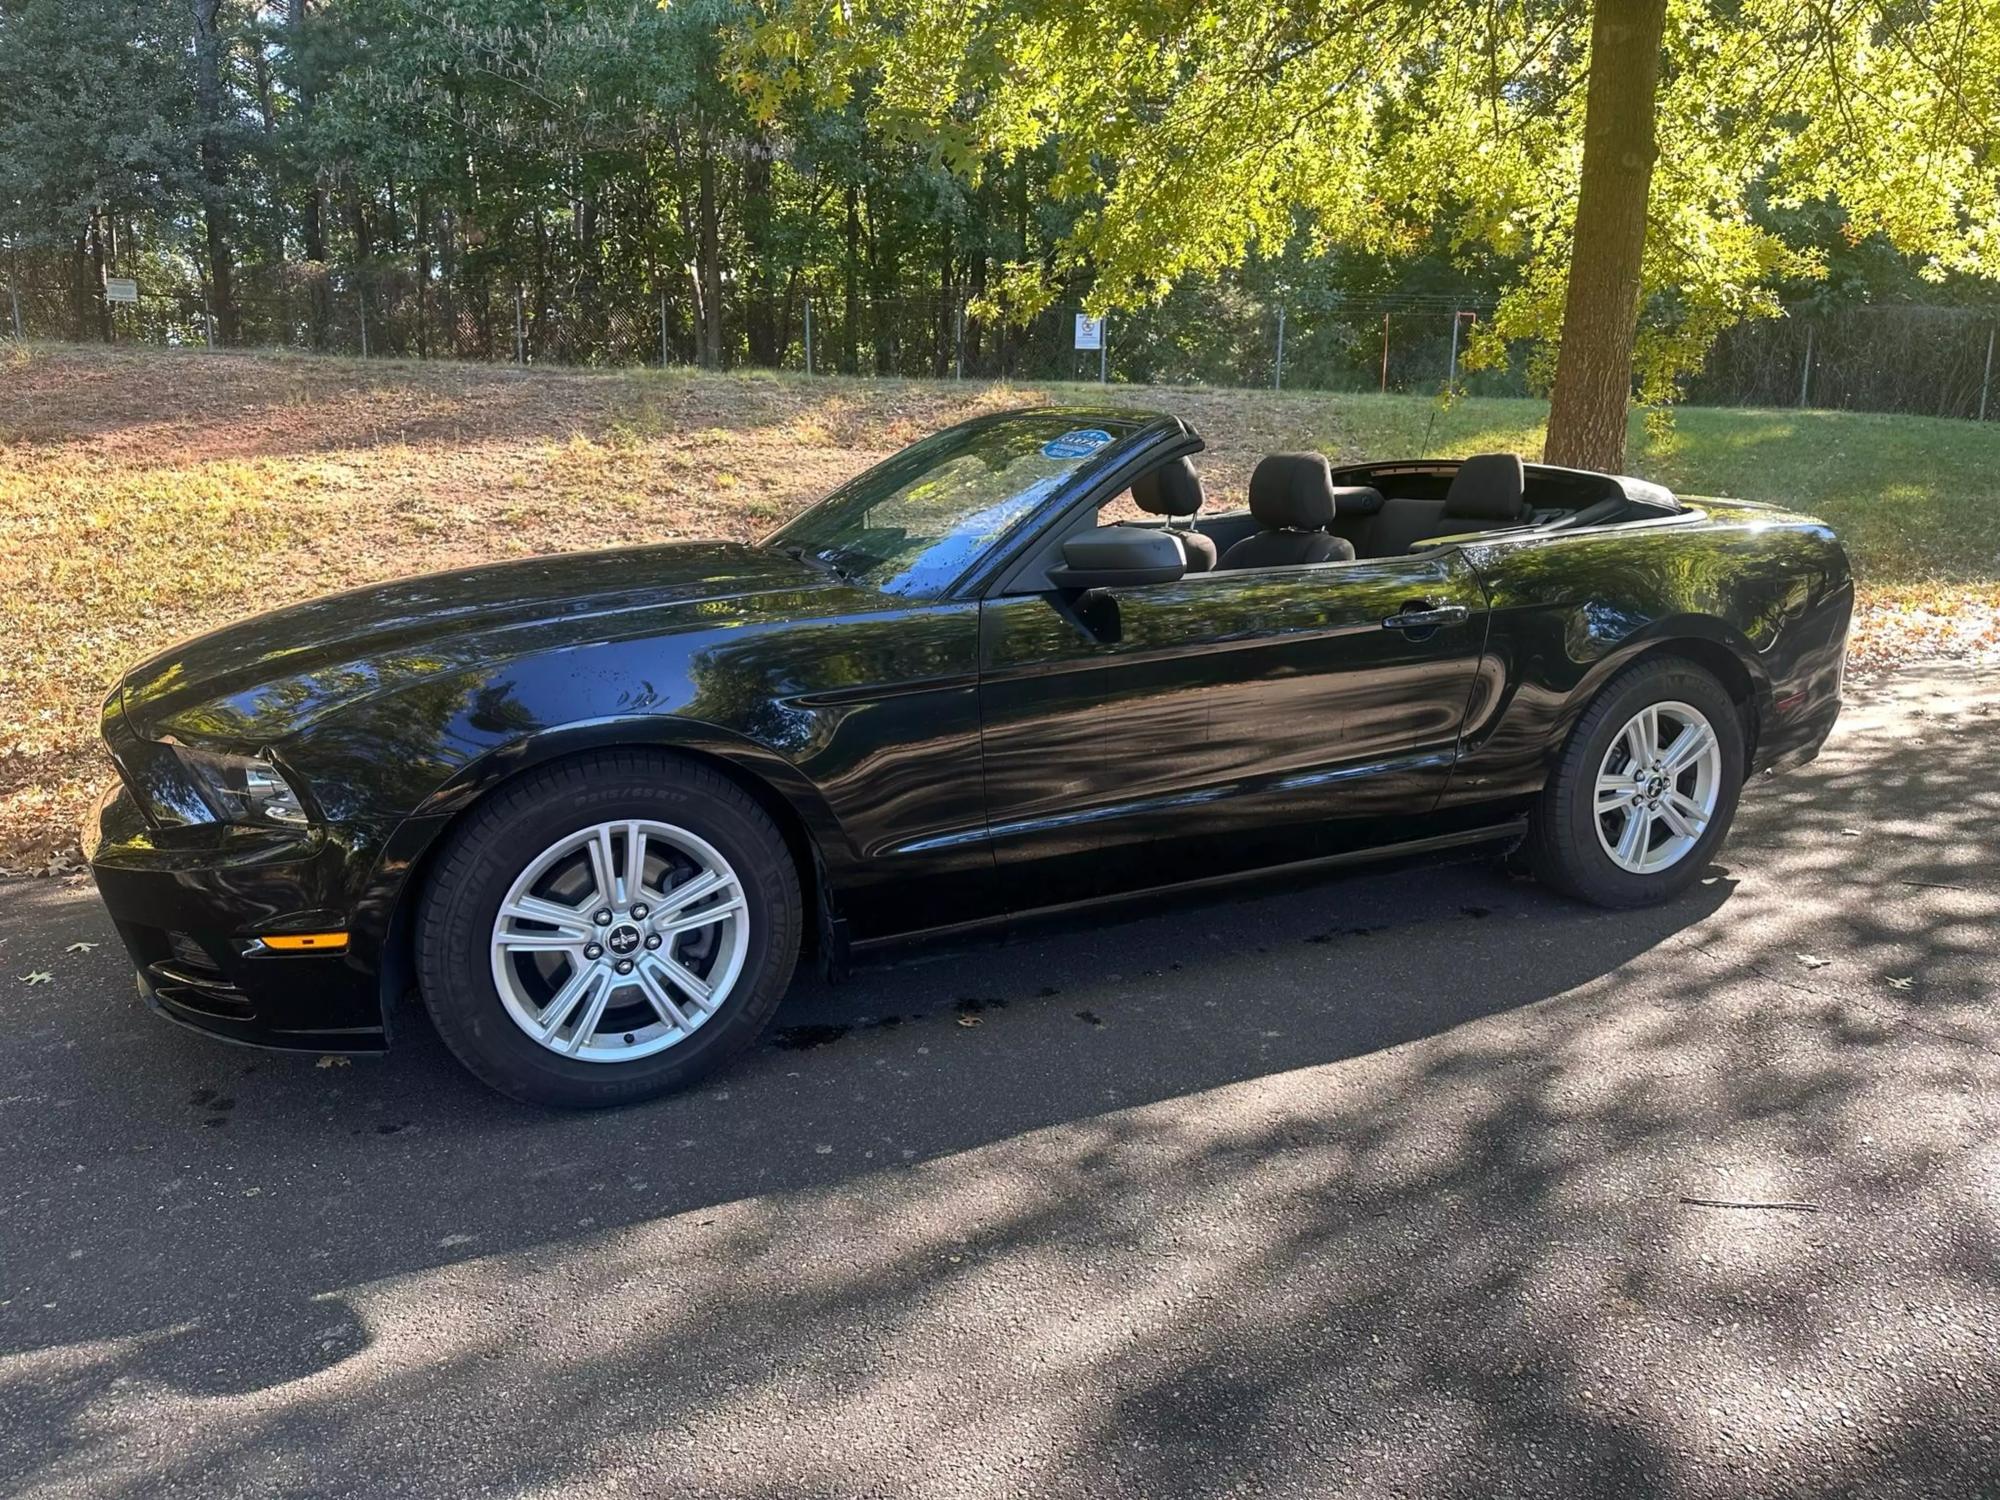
x: 1227, y: 721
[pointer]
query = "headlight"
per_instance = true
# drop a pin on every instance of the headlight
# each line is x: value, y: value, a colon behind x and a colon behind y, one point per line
x: 243, y: 788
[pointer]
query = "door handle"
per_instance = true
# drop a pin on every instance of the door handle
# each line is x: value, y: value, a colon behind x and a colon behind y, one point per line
x: 1426, y: 618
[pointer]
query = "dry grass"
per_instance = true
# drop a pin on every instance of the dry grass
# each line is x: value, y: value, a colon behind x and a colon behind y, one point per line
x: 147, y: 496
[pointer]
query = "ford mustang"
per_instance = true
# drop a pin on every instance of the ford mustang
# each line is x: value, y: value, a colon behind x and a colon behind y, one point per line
x: 594, y: 808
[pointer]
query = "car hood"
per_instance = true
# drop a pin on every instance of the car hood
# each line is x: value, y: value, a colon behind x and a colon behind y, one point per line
x: 263, y: 678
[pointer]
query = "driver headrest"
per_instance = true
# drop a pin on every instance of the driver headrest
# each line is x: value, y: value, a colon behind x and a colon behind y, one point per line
x: 1487, y: 487
x: 1173, y: 489
x: 1292, y: 492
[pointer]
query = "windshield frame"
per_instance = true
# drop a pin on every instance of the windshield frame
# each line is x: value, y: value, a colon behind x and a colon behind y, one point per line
x: 1134, y: 431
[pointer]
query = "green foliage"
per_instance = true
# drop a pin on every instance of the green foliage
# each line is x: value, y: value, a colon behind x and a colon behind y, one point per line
x: 95, y: 110
x: 1180, y: 162
x: 1192, y: 135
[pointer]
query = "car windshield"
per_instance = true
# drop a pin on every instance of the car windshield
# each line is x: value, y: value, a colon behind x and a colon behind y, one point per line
x: 916, y: 522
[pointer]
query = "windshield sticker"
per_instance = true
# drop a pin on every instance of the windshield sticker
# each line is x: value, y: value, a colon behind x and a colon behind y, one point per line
x: 1079, y: 442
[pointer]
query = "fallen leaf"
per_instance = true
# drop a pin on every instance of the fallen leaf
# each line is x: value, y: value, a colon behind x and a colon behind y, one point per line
x: 1850, y: 833
x: 1813, y: 961
x: 1901, y: 984
x: 332, y: 1060
x: 968, y: 1020
x: 39, y: 976
x: 82, y: 947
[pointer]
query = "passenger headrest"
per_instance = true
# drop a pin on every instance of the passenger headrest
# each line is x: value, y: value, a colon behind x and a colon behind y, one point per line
x: 1173, y: 489
x: 1292, y: 492
x: 1487, y: 487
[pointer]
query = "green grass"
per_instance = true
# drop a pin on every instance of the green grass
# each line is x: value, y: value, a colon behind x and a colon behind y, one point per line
x: 147, y: 495
x: 1915, y: 499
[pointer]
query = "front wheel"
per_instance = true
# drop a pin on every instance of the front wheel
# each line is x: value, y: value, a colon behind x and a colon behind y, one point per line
x: 608, y: 929
x: 1645, y: 790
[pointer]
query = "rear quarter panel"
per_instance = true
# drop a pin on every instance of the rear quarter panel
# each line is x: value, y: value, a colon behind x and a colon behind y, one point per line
x: 1759, y: 595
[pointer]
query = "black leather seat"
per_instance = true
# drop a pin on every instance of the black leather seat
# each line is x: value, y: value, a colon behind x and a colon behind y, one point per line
x: 1292, y: 498
x: 1487, y: 491
x: 1490, y: 488
x: 1174, y: 491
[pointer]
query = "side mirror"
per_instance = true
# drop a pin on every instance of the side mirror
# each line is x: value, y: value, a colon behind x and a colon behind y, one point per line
x: 1112, y: 556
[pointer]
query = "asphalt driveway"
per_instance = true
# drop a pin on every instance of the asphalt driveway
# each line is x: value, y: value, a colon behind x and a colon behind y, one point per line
x: 1426, y: 1183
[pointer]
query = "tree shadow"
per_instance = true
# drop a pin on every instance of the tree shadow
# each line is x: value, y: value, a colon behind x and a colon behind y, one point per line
x: 1376, y: 1186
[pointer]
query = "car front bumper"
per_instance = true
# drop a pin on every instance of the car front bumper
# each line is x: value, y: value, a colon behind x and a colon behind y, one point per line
x: 194, y: 907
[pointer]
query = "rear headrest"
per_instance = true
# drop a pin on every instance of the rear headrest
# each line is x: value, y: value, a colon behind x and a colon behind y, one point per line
x: 1173, y: 489
x: 1356, y: 500
x: 1292, y: 491
x: 1487, y: 487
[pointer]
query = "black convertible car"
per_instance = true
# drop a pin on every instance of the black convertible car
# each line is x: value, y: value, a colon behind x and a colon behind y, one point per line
x: 594, y: 806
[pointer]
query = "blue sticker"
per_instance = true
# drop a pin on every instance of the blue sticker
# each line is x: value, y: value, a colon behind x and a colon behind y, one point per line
x: 1079, y: 442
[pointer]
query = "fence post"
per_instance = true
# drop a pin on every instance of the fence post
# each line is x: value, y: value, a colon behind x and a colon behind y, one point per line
x: 1278, y: 373
x: 1385, y: 354
x: 1451, y: 370
x: 958, y: 342
x: 520, y: 333
x: 809, y: 335
x: 14, y: 296
x: 1103, y: 349
x: 1805, y: 370
x: 1987, y: 381
x: 361, y: 302
x: 663, y: 330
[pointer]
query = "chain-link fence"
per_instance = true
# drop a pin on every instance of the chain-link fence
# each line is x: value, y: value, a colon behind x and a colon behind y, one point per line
x: 1937, y: 361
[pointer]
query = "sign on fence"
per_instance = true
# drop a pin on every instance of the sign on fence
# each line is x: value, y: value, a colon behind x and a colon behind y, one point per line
x: 120, y: 289
x: 1089, y: 332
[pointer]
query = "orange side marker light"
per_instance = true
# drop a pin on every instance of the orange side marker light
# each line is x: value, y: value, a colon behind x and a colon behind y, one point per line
x: 305, y: 942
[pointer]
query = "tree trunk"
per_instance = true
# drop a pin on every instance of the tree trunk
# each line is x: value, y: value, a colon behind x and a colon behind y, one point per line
x: 588, y: 240
x: 81, y: 311
x: 760, y: 309
x: 214, y: 166
x: 99, y: 271
x: 423, y: 237
x: 312, y: 230
x: 1593, y: 386
x: 849, y: 336
x: 881, y: 276
x: 357, y: 225
x: 707, y: 251
x: 943, y: 344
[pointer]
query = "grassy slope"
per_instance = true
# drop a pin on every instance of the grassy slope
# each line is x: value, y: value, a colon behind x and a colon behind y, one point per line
x: 145, y: 496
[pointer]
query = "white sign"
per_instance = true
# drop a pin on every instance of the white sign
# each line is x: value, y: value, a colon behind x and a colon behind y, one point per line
x: 120, y: 289
x: 1089, y: 332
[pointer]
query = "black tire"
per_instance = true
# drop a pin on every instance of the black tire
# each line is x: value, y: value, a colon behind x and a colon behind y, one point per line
x: 495, y: 843
x: 1563, y: 849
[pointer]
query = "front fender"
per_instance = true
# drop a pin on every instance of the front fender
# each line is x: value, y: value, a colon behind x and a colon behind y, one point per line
x: 864, y: 727
x: 381, y: 891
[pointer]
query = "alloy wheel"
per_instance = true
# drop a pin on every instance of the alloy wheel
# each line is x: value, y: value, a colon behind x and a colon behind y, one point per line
x: 620, y: 940
x: 1657, y: 787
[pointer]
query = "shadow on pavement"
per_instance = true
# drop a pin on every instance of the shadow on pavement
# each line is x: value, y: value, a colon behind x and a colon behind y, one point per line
x: 1374, y: 1186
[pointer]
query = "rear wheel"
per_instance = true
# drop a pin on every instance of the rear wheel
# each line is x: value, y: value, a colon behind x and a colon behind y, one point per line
x: 608, y: 929
x: 1645, y: 790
